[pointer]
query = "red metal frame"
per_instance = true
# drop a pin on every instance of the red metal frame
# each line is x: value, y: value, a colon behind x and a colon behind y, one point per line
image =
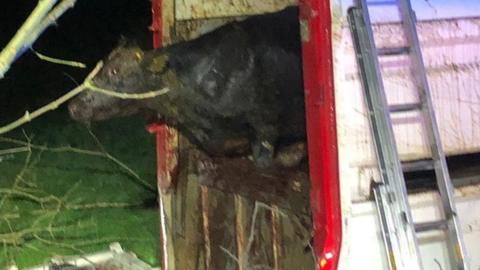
x: 165, y: 136
x: 321, y: 127
x: 321, y: 131
x: 157, y: 23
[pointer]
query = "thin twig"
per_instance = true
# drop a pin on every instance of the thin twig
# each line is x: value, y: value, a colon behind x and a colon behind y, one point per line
x: 53, y: 149
x: 145, y: 95
x: 230, y: 254
x: 15, y: 192
x: 98, y: 205
x: 19, y: 236
x: 53, y: 243
x: 258, y: 205
x: 13, y: 150
x: 59, y: 61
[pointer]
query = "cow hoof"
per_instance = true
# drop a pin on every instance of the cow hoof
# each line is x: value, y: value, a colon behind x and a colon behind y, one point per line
x: 263, y: 154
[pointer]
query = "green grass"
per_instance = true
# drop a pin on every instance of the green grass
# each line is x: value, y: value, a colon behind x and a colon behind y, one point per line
x: 57, y: 181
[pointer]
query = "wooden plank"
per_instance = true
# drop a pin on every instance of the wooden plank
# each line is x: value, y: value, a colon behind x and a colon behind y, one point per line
x: 167, y: 236
x: 277, y: 238
x: 190, y: 29
x: 188, y: 221
x: 261, y: 254
x: 200, y: 9
x: 219, y: 228
x: 206, y: 228
x: 168, y: 17
x: 243, y: 210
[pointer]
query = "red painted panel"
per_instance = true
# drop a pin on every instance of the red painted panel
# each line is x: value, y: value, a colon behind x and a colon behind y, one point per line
x: 321, y: 131
x: 157, y: 23
x: 166, y: 158
x: 165, y: 136
x: 166, y: 142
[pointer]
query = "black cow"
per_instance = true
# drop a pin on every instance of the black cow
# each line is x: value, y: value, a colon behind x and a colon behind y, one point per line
x: 235, y: 90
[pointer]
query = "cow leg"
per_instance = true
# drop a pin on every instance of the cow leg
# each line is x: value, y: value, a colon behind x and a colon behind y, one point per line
x: 265, y: 137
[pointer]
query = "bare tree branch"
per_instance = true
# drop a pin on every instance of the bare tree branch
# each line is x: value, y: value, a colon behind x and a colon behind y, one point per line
x: 40, y: 19
x: 23, y: 38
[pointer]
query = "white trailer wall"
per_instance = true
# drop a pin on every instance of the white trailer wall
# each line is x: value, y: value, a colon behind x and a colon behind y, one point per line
x: 451, y: 49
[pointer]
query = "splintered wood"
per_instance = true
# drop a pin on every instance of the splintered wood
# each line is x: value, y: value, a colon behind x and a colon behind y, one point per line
x: 228, y: 214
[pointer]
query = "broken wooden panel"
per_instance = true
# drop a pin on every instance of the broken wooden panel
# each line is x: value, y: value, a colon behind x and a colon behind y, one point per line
x: 201, y: 9
x: 216, y: 228
x: 287, y: 188
x: 243, y: 213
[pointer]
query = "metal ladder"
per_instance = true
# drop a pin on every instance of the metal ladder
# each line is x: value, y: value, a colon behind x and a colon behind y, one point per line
x: 399, y: 230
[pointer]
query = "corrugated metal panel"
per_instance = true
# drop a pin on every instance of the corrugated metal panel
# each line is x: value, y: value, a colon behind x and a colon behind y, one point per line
x: 451, y: 50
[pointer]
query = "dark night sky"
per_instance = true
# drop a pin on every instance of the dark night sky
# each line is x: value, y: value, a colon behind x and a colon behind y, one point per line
x: 85, y: 33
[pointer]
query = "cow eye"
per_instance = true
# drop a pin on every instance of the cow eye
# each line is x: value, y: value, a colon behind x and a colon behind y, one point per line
x: 112, y: 72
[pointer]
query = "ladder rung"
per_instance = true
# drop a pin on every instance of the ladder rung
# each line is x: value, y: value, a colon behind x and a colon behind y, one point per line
x: 383, y: 3
x: 393, y: 51
x: 431, y: 226
x: 419, y: 165
x: 398, y: 108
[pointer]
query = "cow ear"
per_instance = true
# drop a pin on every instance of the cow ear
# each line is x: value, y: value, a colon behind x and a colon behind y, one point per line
x: 122, y: 42
x: 158, y: 63
x: 125, y: 42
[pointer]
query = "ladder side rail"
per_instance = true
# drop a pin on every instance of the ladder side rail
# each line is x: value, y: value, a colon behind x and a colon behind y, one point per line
x: 445, y: 187
x: 425, y: 96
x: 379, y: 201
